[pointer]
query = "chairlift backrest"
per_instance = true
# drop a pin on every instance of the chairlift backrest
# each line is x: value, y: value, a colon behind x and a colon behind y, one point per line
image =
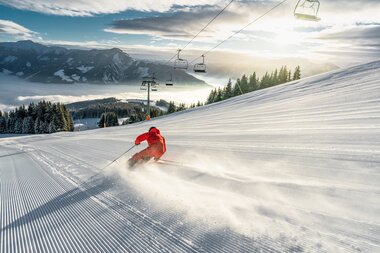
x: 307, y: 10
x: 200, y: 67
x: 169, y: 82
x: 180, y: 63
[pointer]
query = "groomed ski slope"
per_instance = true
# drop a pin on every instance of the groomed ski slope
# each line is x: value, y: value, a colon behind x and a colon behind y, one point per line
x: 293, y: 168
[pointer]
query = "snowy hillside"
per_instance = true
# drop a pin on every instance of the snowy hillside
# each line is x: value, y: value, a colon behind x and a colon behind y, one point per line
x: 293, y: 168
x: 38, y: 63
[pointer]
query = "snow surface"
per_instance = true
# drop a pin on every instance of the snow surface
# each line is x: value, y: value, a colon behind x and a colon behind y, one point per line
x: 84, y: 69
x: 61, y: 73
x: 293, y: 168
x: 75, y: 77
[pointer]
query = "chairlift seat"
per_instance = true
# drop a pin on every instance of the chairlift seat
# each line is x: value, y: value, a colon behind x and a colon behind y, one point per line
x: 181, y: 64
x: 169, y: 83
x: 200, y: 67
x: 307, y: 17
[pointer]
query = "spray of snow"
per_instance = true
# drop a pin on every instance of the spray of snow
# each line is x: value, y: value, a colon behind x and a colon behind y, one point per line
x: 206, y: 190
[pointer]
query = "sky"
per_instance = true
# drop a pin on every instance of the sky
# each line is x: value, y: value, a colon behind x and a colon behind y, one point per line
x: 348, y: 33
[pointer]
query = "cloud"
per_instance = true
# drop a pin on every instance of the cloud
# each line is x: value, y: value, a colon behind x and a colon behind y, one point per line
x: 361, y: 32
x: 177, y: 25
x: 183, y: 23
x: 350, y: 44
x: 95, y: 7
x: 20, y: 32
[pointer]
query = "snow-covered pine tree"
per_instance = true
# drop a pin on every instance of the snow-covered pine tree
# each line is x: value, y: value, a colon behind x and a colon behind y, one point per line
x: 37, y: 126
x: 11, y: 122
x: 3, y: 125
x: 52, y: 128
x: 18, y: 126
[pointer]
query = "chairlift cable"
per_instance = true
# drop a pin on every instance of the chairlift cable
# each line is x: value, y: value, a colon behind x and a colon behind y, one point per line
x: 255, y: 20
x: 204, y: 28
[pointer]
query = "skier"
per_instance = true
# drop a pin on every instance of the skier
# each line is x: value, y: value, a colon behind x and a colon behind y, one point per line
x: 156, y: 146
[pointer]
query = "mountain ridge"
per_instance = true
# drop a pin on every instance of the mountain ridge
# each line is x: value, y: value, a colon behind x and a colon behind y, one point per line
x: 52, y: 64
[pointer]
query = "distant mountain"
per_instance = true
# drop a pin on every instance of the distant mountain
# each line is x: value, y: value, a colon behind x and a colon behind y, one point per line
x: 39, y: 63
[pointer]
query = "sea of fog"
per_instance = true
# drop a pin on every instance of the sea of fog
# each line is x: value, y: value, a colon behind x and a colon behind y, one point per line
x: 15, y: 92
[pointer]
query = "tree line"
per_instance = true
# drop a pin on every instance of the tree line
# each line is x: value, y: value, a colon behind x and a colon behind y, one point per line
x: 172, y: 107
x: 108, y: 111
x: 251, y: 83
x: 40, y: 118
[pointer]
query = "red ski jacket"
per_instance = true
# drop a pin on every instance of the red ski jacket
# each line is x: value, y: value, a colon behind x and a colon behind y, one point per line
x: 153, y: 137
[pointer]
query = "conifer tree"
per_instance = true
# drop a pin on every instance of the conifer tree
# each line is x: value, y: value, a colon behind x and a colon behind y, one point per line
x: 181, y: 107
x: 18, y: 126
x: 102, y: 121
x: 44, y: 128
x: 37, y: 126
x: 11, y: 123
x: 28, y: 125
x: 253, y: 82
x: 172, y: 107
x: 52, y: 128
x: 219, y: 95
x: 227, y: 92
x: 276, y: 78
x: 244, y: 84
x: 111, y: 119
x: 297, y: 73
x: 211, y: 96
x: 3, y: 125
x: 237, y: 89
x: 265, y: 81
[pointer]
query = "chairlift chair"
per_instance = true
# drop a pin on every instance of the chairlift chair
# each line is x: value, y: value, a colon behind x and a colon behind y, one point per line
x: 307, y: 10
x: 180, y: 63
x: 170, y: 81
x: 143, y: 86
x: 154, y: 86
x: 200, y: 67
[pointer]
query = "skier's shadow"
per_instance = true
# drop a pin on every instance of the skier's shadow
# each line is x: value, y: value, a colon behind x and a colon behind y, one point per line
x: 64, y: 201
